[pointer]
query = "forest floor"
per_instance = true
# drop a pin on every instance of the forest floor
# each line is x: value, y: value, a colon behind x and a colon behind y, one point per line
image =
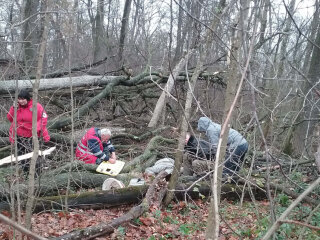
x: 179, y: 220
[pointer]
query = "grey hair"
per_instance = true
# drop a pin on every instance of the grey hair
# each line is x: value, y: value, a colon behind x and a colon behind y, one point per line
x: 105, y: 131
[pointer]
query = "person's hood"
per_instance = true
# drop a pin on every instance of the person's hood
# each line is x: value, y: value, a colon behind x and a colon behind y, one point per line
x: 203, y: 124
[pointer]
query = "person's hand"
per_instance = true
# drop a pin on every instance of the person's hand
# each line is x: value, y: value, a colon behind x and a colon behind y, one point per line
x: 98, y: 161
x: 112, y: 160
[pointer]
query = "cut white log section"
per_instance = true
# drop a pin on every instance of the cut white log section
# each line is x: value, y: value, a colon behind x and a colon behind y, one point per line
x: 54, y: 83
x: 11, y: 158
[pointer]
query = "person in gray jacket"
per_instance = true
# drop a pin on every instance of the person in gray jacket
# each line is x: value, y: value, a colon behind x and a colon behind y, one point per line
x: 237, y: 145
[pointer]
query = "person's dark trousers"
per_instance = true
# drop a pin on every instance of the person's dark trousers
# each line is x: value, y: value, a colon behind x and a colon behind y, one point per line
x: 25, y: 146
x: 234, y: 159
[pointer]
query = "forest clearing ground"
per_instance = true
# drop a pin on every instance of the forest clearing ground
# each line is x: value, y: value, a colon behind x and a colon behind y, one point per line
x: 177, y: 221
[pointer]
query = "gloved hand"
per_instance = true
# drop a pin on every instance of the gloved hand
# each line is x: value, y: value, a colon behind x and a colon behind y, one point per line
x: 98, y: 161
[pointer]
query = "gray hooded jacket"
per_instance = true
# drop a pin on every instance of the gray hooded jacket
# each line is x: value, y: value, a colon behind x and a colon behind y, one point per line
x: 213, y: 130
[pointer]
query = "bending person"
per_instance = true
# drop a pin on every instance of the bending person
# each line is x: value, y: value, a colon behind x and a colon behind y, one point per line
x: 96, y: 147
x: 237, y: 145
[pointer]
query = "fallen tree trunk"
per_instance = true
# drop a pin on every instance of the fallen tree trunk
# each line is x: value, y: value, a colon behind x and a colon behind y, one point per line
x: 105, y: 228
x: 93, y: 200
x: 9, y: 86
x: 84, y: 176
x: 60, y: 123
x: 56, y: 185
x: 128, y: 195
x: 102, y: 199
x: 149, y: 152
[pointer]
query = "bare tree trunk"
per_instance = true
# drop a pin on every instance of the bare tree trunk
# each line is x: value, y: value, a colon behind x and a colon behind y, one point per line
x: 31, y: 182
x: 306, y: 131
x: 292, y: 142
x: 232, y: 95
x: 30, y: 34
x: 184, y: 127
x: 275, y: 84
x: 179, y: 43
x: 71, y: 38
x: 167, y: 89
x: 15, y: 195
x: 124, y: 29
x: 99, y: 41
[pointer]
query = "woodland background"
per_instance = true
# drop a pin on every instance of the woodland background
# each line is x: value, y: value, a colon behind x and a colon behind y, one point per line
x: 150, y: 69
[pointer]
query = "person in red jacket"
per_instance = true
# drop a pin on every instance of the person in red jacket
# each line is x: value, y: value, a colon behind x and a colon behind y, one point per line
x: 24, y: 125
x: 95, y: 147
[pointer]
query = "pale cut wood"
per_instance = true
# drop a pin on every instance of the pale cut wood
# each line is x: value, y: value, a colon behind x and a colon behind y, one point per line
x: 54, y: 83
x: 12, y: 158
x: 167, y: 89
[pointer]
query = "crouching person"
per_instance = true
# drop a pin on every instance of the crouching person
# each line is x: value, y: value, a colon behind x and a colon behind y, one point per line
x: 96, y: 147
x: 237, y: 145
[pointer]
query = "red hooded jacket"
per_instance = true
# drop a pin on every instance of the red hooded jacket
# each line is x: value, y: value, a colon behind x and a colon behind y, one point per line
x: 24, y: 122
x: 83, y: 151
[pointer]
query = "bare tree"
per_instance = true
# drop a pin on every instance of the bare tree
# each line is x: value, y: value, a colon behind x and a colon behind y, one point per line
x: 124, y: 29
x: 183, y: 129
x: 167, y: 89
x: 31, y: 177
x: 30, y: 33
x: 98, y: 34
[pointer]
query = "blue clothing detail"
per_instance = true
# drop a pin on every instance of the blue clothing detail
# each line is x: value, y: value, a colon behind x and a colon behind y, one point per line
x: 237, y: 145
x: 213, y: 131
x: 94, y: 147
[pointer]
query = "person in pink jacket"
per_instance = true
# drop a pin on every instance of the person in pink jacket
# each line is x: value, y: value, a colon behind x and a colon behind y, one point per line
x: 24, y: 125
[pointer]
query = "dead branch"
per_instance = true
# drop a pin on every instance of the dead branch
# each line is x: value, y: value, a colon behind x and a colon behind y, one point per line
x: 284, y: 215
x: 301, y: 224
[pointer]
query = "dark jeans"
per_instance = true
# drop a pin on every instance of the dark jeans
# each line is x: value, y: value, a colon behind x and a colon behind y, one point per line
x: 25, y: 146
x: 234, y: 159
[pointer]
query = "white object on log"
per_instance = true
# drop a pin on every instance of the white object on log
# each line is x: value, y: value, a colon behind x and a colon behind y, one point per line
x: 112, y: 183
x: 11, y: 158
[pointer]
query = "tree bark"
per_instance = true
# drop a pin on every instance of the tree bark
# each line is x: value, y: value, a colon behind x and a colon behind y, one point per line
x: 149, y: 152
x: 167, y: 89
x: 98, y: 34
x: 306, y: 132
x: 182, y: 137
x: 30, y: 33
x: 35, y: 140
x: 153, y: 196
x: 124, y: 29
x: 8, y: 86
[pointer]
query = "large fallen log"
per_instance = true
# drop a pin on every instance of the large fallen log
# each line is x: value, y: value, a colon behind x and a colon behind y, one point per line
x: 92, y: 200
x: 55, y: 185
x: 110, y: 82
x: 154, y: 194
x: 9, y: 86
x: 185, y: 190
